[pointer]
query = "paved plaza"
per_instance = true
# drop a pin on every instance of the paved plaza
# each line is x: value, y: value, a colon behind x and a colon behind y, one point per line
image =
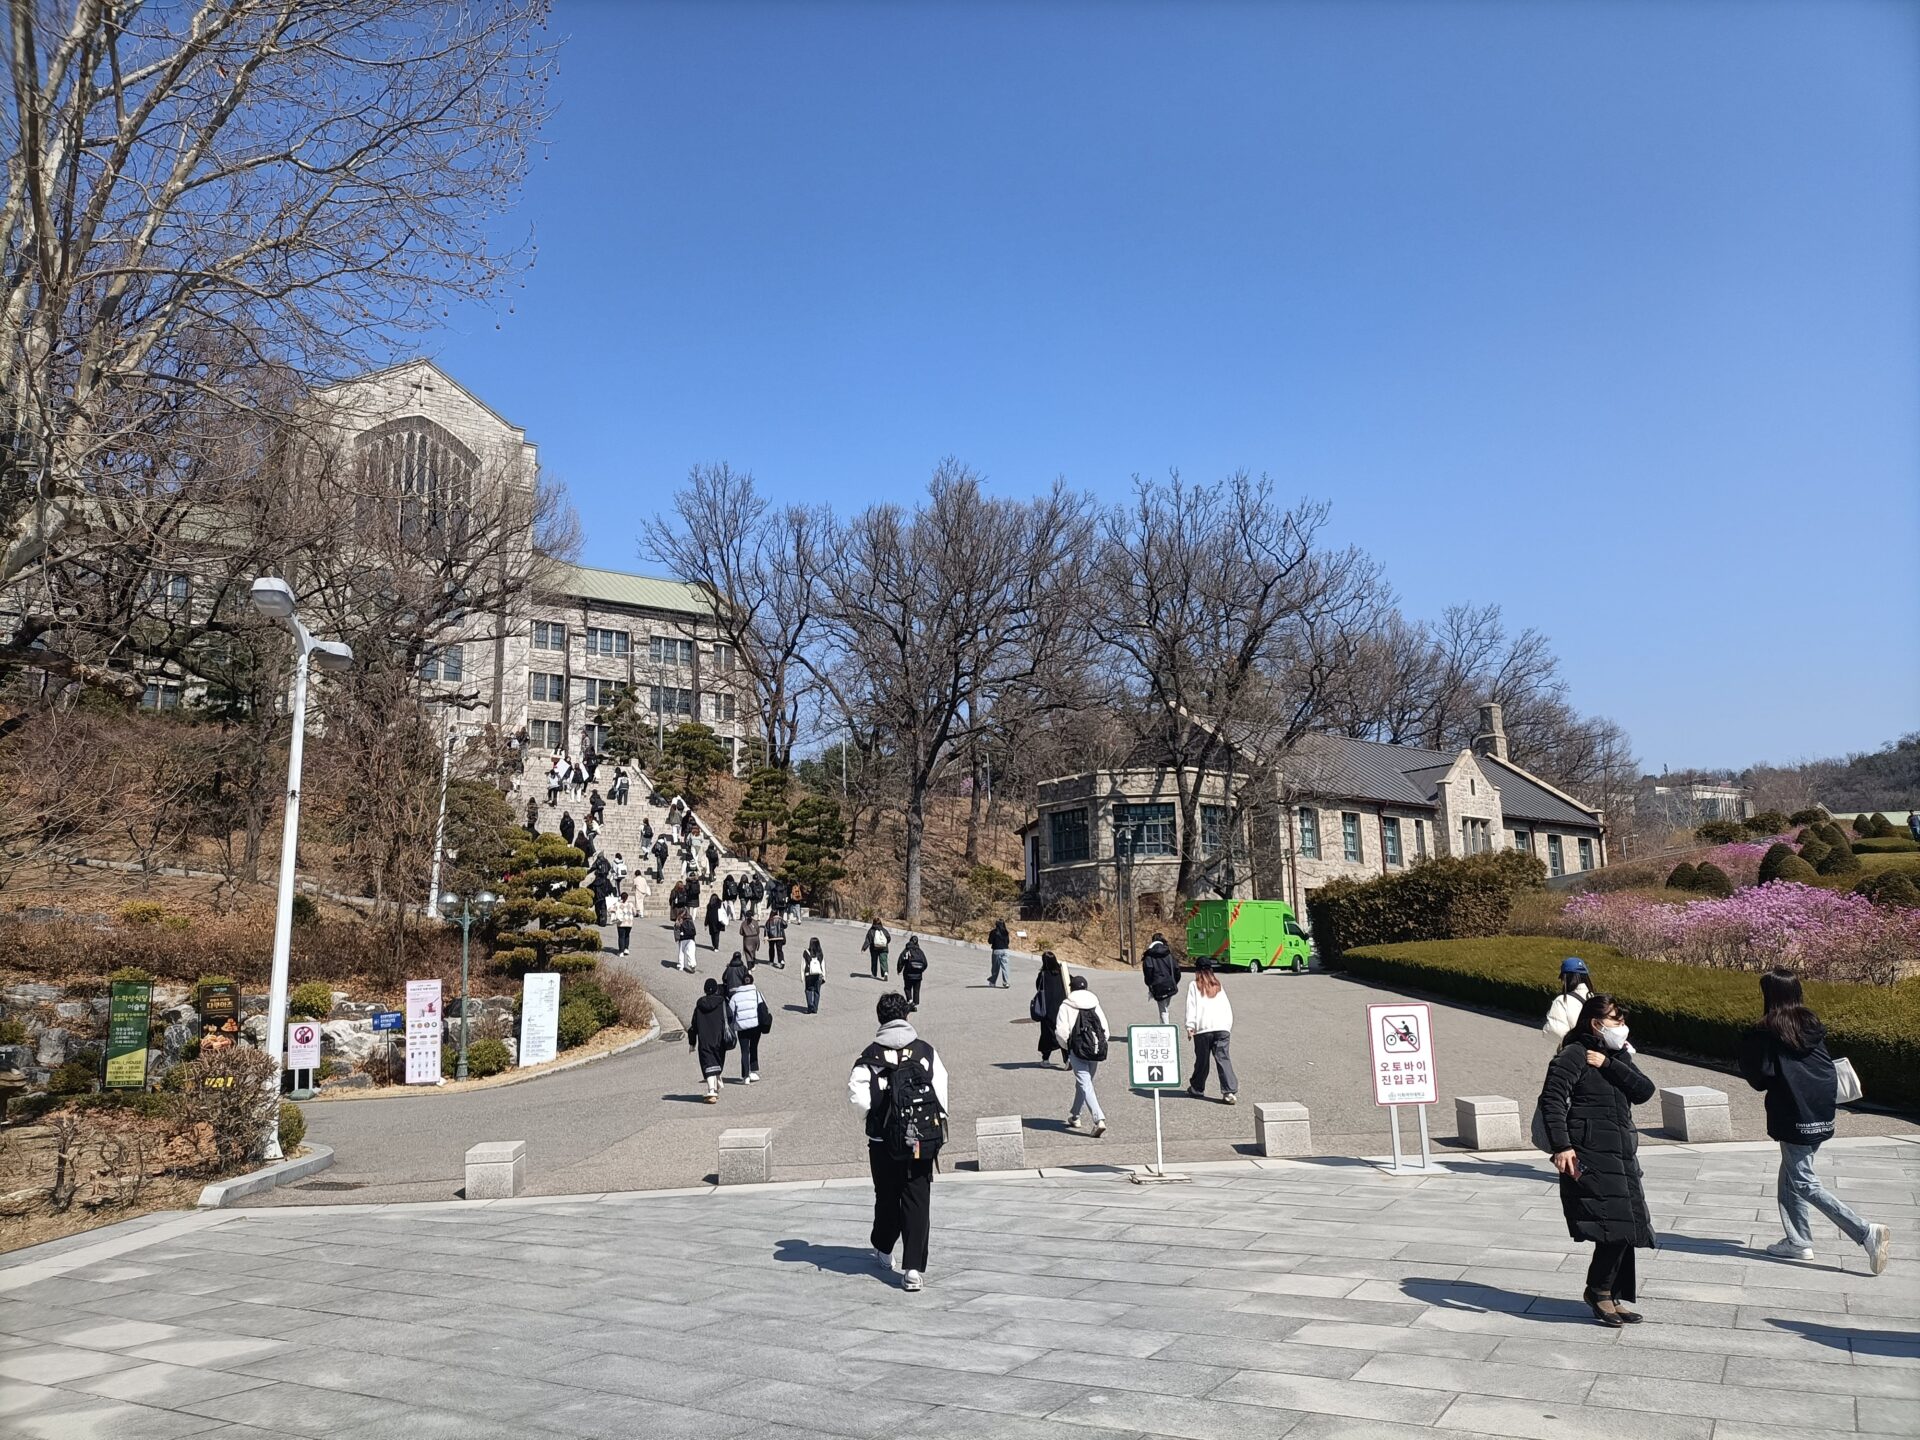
x: 1307, y: 1299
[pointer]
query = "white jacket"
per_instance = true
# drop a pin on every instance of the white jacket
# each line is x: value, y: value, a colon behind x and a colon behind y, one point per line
x: 746, y: 1007
x: 893, y: 1039
x: 1208, y: 1013
x: 1564, y: 1013
x: 1078, y: 1000
x: 619, y: 912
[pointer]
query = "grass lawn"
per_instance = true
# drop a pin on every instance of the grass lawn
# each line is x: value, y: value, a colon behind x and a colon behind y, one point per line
x: 1874, y: 864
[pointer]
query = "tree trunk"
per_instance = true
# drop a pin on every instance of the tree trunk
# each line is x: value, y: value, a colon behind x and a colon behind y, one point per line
x: 916, y: 838
x: 974, y: 803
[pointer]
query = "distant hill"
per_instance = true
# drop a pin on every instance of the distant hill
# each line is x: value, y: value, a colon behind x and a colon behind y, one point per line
x: 1885, y: 779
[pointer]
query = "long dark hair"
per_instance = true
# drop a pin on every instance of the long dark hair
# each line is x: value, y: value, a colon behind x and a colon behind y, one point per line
x: 1596, y: 1007
x: 1787, y: 1017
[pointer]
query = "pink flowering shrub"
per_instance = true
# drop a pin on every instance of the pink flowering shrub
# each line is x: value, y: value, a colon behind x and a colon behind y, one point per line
x: 1824, y: 934
x: 1741, y: 860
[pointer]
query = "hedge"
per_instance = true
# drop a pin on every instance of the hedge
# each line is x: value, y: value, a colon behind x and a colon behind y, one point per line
x: 1441, y: 899
x: 1887, y: 845
x: 1678, y: 1007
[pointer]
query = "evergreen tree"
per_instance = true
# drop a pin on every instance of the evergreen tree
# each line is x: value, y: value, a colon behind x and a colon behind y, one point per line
x: 815, y: 840
x: 545, y: 917
x: 1813, y: 815
x: 1796, y: 869
x: 762, y: 812
x: 693, y: 757
x: 630, y: 733
x: 1683, y: 877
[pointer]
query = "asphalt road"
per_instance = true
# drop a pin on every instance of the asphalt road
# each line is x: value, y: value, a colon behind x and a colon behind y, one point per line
x: 637, y: 1121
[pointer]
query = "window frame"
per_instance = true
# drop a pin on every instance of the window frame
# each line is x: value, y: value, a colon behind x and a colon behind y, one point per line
x: 1309, y: 823
x: 1522, y: 839
x: 1390, y: 848
x: 540, y: 685
x: 1155, y: 815
x: 1074, y: 824
x: 1556, y: 856
x: 1353, y: 847
x: 608, y: 643
x: 1583, y: 848
x: 544, y: 632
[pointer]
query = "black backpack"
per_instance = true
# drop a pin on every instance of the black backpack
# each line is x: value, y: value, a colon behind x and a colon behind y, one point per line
x: 915, y: 1123
x: 1087, y: 1041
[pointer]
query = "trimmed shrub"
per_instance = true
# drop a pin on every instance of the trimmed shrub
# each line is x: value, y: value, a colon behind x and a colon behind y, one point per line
x: 1768, y: 822
x: 606, y: 1011
x: 1887, y: 845
x: 143, y: 912
x: 1720, y: 832
x: 293, y: 1127
x: 578, y: 1024
x: 1896, y: 889
x: 1812, y: 815
x: 487, y: 1057
x: 1685, y: 1008
x: 1813, y: 849
x: 1835, y: 837
x: 1683, y: 877
x: 73, y: 1078
x: 1796, y: 869
x: 1777, y: 855
x: 313, y: 1000
x: 1710, y: 879
x: 1444, y: 899
x: 1839, y: 861
x: 1882, y: 826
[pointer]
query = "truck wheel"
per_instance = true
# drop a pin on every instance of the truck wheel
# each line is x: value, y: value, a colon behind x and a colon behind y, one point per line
x: 1300, y: 967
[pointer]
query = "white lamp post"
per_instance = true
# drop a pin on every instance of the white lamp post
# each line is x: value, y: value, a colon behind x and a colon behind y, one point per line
x: 273, y: 598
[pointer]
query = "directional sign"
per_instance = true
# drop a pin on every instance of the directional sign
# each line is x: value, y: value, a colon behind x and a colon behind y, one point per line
x: 1153, y: 1057
x: 1400, y: 1039
x: 539, y: 1017
x: 388, y: 1020
x: 303, y: 1045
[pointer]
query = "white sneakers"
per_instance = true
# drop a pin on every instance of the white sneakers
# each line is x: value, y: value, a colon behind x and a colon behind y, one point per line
x: 883, y: 1260
x: 1879, y: 1247
x: 913, y: 1281
x: 1790, y: 1250
x: 1073, y: 1122
x: 1099, y: 1128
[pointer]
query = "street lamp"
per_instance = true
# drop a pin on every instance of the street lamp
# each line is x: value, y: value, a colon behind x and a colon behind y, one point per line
x: 273, y: 598
x: 472, y: 908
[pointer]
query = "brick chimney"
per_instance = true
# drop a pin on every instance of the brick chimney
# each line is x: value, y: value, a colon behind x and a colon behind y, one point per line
x: 1492, y: 739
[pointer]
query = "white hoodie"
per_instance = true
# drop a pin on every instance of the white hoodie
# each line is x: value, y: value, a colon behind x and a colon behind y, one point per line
x: 1564, y: 1013
x: 1078, y: 1000
x: 1206, y: 1013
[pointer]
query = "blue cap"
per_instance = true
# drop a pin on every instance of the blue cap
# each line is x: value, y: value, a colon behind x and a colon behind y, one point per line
x: 1573, y: 965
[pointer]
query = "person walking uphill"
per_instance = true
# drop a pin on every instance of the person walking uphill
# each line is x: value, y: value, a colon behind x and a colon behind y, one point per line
x: 876, y: 945
x: 750, y: 939
x: 1161, y: 972
x: 684, y: 934
x: 998, y: 942
x: 813, y: 972
x: 751, y: 1019
x: 1210, y: 1027
x: 620, y: 911
x: 1049, y: 994
x: 1575, y: 986
x: 715, y: 924
x: 776, y: 928
x: 1786, y: 1056
x: 1587, y: 1106
x: 913, y: 969
x: 901, y: 1086
x: 710, y: 1033
x: 1082, y: 1032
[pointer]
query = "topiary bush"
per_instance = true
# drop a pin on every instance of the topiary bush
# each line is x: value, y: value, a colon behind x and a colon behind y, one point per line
x: 1767, y: 822
x: 1449, y: 898
x: 1683, y: 877
x: 1887, y: 845
x: 1839, y: 861
x: 1813, y: 849
x: 293, y: 1127
x: 1796, y: 869
x: 487, y: 1057
x: 1710, y: 879
x: 1895, y: 889
x: 313, y: 1000
x: 1720, y: 832
x: 1882, y: 827
x: 578, y: 1024
x: 1812, y: 815
x: 1777, y: 854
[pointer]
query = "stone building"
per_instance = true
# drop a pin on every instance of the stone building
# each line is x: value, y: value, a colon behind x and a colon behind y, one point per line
x: 1339, y: 808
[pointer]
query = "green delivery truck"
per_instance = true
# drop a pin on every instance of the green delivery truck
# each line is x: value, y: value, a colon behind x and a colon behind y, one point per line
x: 1254, y: 935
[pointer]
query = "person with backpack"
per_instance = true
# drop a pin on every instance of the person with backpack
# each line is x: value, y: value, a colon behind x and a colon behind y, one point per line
x: 750, y: 939
x: 1786, y: 1056
x: 1161, y: 972
x: 876, y: 945
x: 900, y: 1085
x: 1564, y: 1013
x: 776, y: 930
x: 660, y: 858
x: 533, y: 817
x: 1049, y: 994
x: 713, y: 856
x: 751, y: 1018
x: 716, y: 922
x: 753, y: 892
x: 1586, y: 1106
x: 813, y: 972
x: 597, y: 807
x: 998, y: 942
x: 710, y: 1033
x: 684, y: 933
x: 620, y: 911
x: 566, y: 826
x: 1082, y: 1032
x: 1210, y: 1028
x: 913, y: 969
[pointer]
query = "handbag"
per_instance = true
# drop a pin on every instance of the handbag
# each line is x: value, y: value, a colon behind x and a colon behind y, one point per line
x: 1847, y: 1088
x: 766, y: 1019
x: 1038, y: 1009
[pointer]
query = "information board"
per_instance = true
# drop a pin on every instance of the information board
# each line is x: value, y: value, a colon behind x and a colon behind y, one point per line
x: 219, y: 1016
x: 1400, y: 1038
x: 303, y: 1045
x: 386, y: 1020
x: 423, y: 1032
x: 539, y: 1017
x: 129, y: 1012
x: 1153, y: 1057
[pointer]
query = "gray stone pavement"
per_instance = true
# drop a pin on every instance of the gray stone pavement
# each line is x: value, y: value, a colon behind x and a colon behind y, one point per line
x: 636, y: 1121
x: 1311, y: 1300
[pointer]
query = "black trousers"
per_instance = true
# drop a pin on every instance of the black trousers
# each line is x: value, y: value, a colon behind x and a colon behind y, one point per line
x: 626, y: 937
x: 749, y: 1053
x: 902, y: 1205
x: 1611, y: 1270
x: 911, y: 985
x: 777, y: 953
x: 814, y: 982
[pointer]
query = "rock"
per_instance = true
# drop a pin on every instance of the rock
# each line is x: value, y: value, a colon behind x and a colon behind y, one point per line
x: 158, y: 1063
x: 178, y: 1035
x: 166, y: 997
x: 22, y: 997
x: 181, y: 1014
x: 513, y: 1050
x: 349, y: 1040
x: 73, y: 1010
x: 16, y: 1057
x: 254, y: 1027
x: 101, y: 1007
x: 52, y: 1049
x: 349, y: 1082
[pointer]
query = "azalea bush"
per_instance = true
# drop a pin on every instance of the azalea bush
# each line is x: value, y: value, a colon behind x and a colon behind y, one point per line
x: 1825, y: 934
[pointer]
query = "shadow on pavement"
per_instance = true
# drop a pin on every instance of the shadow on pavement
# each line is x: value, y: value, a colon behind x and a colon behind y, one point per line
x: 1509, y: 1169
x: 1481, y: 1299
x: 841, y: 1259
x: 1709, y: 1245
x: 1838, y: 1337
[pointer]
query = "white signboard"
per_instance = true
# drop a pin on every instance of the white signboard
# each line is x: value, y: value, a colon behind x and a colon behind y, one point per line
x: 1153, y: 1057
x: 1401, y: 1040
x: 303, y: 1045
x: 539, y: 1018
x: 423, y: 1032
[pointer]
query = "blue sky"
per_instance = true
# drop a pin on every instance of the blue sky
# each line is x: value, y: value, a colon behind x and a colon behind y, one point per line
x: 1607, y: 312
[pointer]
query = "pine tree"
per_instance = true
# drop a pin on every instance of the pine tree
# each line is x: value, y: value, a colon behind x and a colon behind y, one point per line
x: 545, y: 920
x: 630, y: 734
x: 815, y: 840
x: 693, y: 757
x: 762, y: 812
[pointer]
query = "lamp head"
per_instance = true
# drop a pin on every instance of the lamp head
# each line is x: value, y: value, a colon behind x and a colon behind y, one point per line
x: 485, y: 901
x: 333, y: 655
x: 273, y: 598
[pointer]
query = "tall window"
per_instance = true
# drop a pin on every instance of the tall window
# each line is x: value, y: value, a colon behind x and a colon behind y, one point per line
x: 548, y: 688
x: 1151, y: 827
x: 1390, y: 838
x: 670, y: 700
x: 161, y: 695
x: 725, y: 706
x: 1476, y: 836
x: 1213, y: 828
x: 603, y: 693
x: 1419, y: 838
x: 1523, y: 841
x: 667, y: 650
x: 444, y: 662
x: 607, y: 642
x: 723, y: 659
x: 1350, y: 837
x: 1067, y: 835
x: 546, y: 735
x: 419, y: 477
x: 594, y: 737
x: 1309, y: 833
x: 1556, y: 861
x: 549, y: 635
x: 1586, y: 853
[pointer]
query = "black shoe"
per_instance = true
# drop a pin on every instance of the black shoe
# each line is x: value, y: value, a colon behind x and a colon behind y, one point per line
x: 1604, y: 1310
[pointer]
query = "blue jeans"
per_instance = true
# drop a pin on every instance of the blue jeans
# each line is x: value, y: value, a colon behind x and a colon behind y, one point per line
x: 1800, y: 1187
x: 1083, y: 1096
x: 997, y: 975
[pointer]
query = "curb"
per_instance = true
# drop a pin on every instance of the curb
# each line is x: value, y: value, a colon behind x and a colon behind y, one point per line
x: 222, y: 1194
x: 404, y: 1092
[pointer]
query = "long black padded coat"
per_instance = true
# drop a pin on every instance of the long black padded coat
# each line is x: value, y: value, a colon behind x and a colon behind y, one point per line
x: 1590, y: 1109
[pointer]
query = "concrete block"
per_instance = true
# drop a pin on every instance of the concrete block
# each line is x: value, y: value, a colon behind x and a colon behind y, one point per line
x: 496, y: 1170
x: 1488, y: 1122
x: 1000, y: 1142
x: 1695, y: 1112
x: 746, y: 1157
x: 1281, y: 1128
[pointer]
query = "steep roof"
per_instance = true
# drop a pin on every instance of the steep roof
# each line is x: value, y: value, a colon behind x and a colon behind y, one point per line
x: 1523, y: 797
x: 617, y: 587
x: 1407, y: 775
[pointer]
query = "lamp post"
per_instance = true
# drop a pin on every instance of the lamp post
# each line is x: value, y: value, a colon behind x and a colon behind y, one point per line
x: 471, y: 908
x: 1123, y: 836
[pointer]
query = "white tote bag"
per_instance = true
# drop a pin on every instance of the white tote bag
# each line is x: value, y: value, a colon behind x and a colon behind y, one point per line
x: 1847, y: 1082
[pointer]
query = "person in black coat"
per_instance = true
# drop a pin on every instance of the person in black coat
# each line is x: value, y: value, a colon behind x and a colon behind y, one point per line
x: 715, y: 925
x: 913, y: 969
x: 1050, y: 992
x: 998, y: 942
x: 707, y: 1031
x: 566, y: 827
x: 1786, y: 1056
x: 1161, y: 972
x: 1587, y: 1104
x: 729, y: 889
x: 533, y: 817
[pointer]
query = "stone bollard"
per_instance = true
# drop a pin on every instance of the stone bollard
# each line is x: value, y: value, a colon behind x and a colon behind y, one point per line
x: 496, y: 1170
x: 1000, y: 1142
x: 1695, y: 1112
x: 1282, y: 1128
x: 746, y: 1157
x: 1488, y: 1122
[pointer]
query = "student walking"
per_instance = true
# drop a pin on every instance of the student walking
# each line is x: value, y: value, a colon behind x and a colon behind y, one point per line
x: 533, y: 817
x: 621, y: 785
x: 1210, y: 1027
x: 913, y: 969
x: 1564, y: 1013
x: 1786, y: 1056
x: 751, y: 1020
x: 620, y: 912
x: 755, y: 890
x: 1161, y: 972
x: 566, y: 827
x: 710, y: 1034
x: 876, y: 945
x: 1082, y: 1032
x: 900, y: 1085
x: 1587, y: 1105
x: 813, y: 971
x: 750, y: 939
x: 597, y: 807
x: 683, y: 938
x: 716, y: 924
x: 776, y: 928
x: 1049, y: 994
x: 556, y: 777
x: 640, y: 892
x: 713, y: 855
x: 998, y: 942
x: 660, y: 858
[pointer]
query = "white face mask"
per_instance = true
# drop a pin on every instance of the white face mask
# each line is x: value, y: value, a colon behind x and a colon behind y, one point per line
x: 1614, y: 1037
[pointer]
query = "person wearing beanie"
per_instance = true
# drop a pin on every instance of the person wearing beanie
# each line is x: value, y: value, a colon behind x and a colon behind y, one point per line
x: 1162, y: 974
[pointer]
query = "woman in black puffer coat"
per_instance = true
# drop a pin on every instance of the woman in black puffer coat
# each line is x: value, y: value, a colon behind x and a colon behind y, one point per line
x: 1587, y: 1104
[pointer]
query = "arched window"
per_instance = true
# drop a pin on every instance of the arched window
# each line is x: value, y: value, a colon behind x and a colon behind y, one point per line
x: 423, y: 476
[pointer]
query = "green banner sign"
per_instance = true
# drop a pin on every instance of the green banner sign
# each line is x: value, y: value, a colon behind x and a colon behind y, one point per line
x: 129, y: 1011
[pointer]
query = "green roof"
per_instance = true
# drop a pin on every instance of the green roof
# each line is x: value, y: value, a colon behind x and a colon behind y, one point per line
x: 616, y: 587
